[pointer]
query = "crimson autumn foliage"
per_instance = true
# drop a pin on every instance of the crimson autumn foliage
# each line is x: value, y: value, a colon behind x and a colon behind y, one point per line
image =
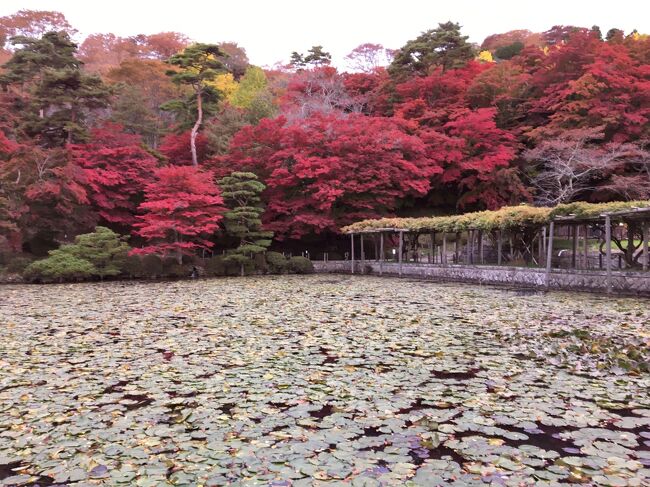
x: 116, y: 170
x: 181, y: 211
x: 176, y: 148
x: 327, y: 171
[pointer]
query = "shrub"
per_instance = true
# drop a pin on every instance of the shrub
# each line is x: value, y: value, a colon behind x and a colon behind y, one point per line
x: 277, y: 262
x: 133, y: 266
x: 152, y: 266
x: 59, y: 266
x: 179, y: 270
x: 103, y: 248
x: 17, y: 264
x: 168, y: 265
x: 301, y: 265
x: 215, y: 266
x: 259, y: 263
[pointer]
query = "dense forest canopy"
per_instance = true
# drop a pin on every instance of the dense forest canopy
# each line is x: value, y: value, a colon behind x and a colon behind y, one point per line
x: 138, y: 134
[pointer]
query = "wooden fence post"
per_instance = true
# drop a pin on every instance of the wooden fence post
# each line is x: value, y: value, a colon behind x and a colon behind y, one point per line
x: 363, y: 255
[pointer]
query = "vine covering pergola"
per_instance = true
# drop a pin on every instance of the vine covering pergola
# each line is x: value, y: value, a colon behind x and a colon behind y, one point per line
x: 527, y: 232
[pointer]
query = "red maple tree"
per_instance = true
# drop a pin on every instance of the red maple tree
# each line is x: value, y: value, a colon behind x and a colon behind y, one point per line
x: 176, y: 147
x: 328, y: 172
x: 182, y: 209
x: 117, y: 167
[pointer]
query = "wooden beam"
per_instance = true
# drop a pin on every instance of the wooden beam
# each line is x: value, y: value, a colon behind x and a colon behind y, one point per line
x: 549, y: 255
x: 381, y: 253
x: 431, y: 259
x: 608, y: 250
x: 401, y: 247
x: 470, y: 247
x: 480, y: 246
x: 352, y: 253
x: 457, y: 249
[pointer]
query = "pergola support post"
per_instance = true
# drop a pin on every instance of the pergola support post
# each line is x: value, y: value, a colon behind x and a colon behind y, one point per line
x: 431, y: 257
x: 608, y: 250
x: 457, y: 249
x: 499, y: 246
x: 549, y: 255
x: 363, y: 254
x: 480, y: 246
x: 574, y: 246
x: 443, y: 258
x: 401, y: 247
x: 381, y: 253
x: 646, y: 246
x: 352, y: 252
x: 585, y: 234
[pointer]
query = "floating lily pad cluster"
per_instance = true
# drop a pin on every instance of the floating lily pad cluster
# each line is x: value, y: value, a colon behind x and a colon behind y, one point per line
x: 321, y: 380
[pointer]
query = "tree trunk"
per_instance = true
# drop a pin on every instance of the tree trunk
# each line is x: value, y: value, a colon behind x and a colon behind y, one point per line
x: 195, y: 129
x: 242, y: 269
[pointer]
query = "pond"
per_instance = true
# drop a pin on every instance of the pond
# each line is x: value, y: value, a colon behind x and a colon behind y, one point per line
x: 321, y: 380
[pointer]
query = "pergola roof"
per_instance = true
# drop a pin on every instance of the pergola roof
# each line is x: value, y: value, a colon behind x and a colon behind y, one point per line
x: 508, y: 217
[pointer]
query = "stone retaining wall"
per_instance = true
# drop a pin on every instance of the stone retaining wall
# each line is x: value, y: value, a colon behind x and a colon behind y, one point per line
x: 637, y: 283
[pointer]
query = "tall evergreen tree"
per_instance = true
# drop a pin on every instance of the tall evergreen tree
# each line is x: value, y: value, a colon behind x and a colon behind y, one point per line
x: 241, y: 192
x: 59, y: 93
x: 443, y: 47
x: 199, y: 64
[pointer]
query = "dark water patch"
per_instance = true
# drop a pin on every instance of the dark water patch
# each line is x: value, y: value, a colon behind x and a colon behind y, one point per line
x: 227, y: 408
x: 547, y: 438
x: 445, y: 374
x: 329, y: 359
x: 372, y: 431
x: 117, y: 387
x: 10, y: 469
x: 140, y: 401
x: 323, y: 412
x: 7, y: 469
x: 421, y: 453
x: 418, y: 405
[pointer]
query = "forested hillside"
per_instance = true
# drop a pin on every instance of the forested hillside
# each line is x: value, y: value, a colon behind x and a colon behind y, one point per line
x: 137, y: 134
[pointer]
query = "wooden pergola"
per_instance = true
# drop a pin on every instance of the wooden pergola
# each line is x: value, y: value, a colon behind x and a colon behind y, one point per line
x: 633, y: 218
x: 537, y: 238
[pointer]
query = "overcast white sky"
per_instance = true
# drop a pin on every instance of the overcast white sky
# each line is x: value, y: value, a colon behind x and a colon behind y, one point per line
x: 270, y: 29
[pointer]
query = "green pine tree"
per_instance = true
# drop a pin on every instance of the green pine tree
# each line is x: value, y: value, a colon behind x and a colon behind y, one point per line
x: 104, y: 249
x: 59, y: 93
x: 197, y: 65
x: 443, y: 47
x: 241, y: 192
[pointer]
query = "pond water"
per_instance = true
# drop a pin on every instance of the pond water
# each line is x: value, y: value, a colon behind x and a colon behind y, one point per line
x: 321, y: 380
